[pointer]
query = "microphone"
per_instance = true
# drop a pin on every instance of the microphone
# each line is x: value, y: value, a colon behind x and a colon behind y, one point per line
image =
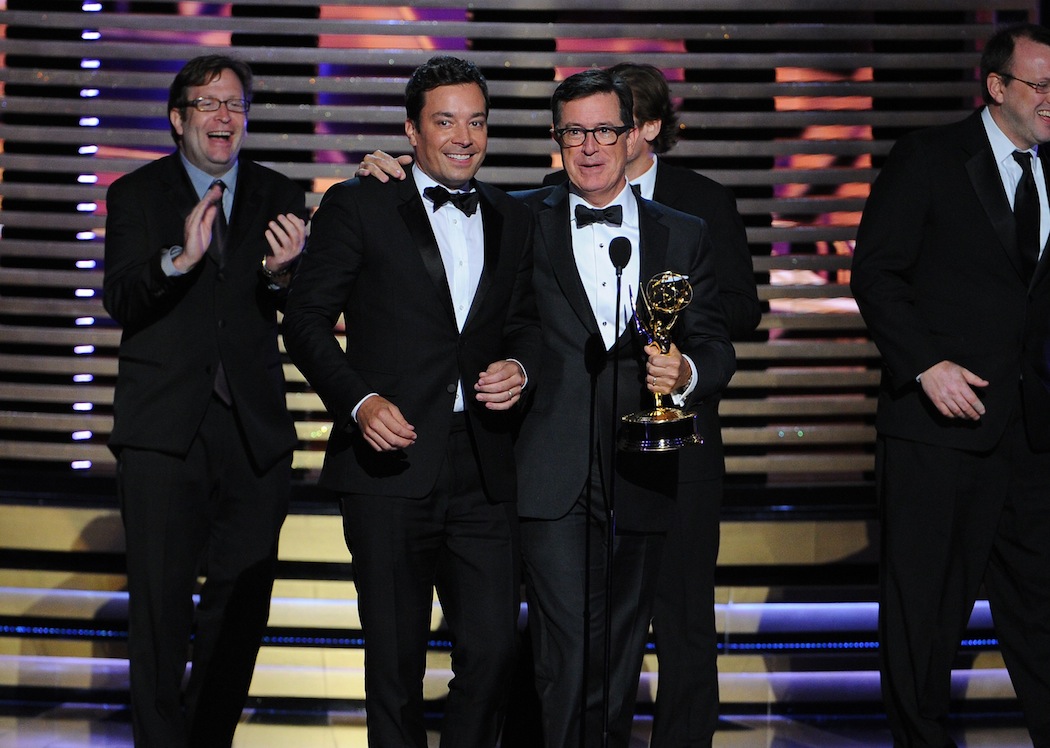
x: 620, y: 252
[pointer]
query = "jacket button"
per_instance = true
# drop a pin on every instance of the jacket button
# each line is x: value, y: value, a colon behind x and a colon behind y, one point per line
x: 451, y: 389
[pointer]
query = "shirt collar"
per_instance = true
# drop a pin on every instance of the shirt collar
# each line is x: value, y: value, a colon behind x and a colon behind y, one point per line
x: 1002, y: 148
x: 201, y: 180
x: 424, y: 180
x: 625, y: 199
x: 646, y: 182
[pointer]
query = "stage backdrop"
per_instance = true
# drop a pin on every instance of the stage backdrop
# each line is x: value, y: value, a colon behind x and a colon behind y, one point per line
x: 792, y: 103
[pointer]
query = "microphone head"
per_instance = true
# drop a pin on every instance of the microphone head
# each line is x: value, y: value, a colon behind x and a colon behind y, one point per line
x: 620, y: 252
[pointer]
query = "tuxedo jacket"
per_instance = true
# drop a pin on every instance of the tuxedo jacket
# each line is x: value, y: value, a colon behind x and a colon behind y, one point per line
x: 552, y: 447
x: 692, y: 193
x: 178, y: 329
x: 373, y: 258
x: 937, y: 276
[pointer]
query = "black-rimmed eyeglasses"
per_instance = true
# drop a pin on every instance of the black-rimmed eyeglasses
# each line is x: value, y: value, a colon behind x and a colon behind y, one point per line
x: 1042, y: 87
x: 209, y: 104
x: 572, y: 137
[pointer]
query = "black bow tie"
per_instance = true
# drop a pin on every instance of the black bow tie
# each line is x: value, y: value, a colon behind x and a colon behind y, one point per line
x: 613, y: 215
x: 465, y: 201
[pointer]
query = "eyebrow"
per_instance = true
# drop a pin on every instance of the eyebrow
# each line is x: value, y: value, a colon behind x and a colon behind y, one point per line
x: 451, y: 115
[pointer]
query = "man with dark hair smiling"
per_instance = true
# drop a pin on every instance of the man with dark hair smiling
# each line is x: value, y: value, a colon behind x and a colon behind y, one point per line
x: 432, y: 277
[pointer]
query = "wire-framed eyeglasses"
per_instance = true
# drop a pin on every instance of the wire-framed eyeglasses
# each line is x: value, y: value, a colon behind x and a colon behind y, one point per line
x: 210, y: 104
x: 1042, y: 87
x: 572, y: 137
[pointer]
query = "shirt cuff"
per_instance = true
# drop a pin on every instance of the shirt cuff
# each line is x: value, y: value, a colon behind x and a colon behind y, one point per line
x: 167, y: 261
x: 353, y: 413
x: 523, y: 372
x: 679, y: 398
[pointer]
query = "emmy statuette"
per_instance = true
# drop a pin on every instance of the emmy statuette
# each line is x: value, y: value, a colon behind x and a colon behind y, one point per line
x: 665, y: 427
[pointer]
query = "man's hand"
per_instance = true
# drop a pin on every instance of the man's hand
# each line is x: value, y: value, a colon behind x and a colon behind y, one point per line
x: 950, y: 388
x: 383, y: 426
x: 666, y: 372
x: 499, y: 386
x: 197, y: 230
x: 286, y: 236
x: 382, y: 166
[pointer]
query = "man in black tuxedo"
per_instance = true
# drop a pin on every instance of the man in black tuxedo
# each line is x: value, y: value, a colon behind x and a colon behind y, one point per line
x: 683, y: 613
x: 953, y: 281
x: 441, y: 329
x: 195, y: 272
x: 570, y: 471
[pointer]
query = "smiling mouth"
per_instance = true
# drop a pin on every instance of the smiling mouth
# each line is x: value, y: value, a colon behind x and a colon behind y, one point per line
x: 220, y: 135
x: 460, y: 157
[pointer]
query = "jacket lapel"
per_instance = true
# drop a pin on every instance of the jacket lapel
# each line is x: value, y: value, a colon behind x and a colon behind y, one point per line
x: 411, y: 209
x: 492, y: 223
x: 554, y: 229
x: 988, y: 184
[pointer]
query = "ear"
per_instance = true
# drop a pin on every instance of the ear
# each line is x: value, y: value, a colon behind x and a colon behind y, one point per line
x: 410, y: 131
x: 650, y: 130
x: 175, y: 118
x: 632, y: 136
x: 995, y: 85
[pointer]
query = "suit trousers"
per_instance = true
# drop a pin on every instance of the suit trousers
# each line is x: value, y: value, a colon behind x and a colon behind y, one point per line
x: 684, y: 621
x: 457, y: 541
x: 951, y: 520
x: 210, y: 513
x: 565, y: 581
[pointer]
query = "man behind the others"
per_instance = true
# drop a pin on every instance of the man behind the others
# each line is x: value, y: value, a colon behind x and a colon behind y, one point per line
x: 953, y: 281
x: 199, y: 246
x: 441, y: 329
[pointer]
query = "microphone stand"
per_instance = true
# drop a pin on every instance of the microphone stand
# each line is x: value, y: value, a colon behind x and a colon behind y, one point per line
x: 619, y: 260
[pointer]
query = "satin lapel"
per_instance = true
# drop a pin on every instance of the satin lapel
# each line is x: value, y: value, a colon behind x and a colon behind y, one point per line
x: 411, y: 209
x: 492, y: 223
x: 984, y: 176
x: 654, y: 238
x: 555, y: 231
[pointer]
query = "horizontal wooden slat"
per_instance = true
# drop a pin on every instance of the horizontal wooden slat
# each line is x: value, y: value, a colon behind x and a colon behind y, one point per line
x: 792, y: 112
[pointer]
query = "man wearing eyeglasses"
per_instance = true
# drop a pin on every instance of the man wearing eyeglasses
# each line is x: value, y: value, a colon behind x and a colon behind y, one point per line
x: 199, y: 249
x: 571, y: 474
x: 951, y: 274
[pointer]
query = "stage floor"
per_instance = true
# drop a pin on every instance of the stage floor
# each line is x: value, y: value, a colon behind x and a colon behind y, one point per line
x: 81, y: 726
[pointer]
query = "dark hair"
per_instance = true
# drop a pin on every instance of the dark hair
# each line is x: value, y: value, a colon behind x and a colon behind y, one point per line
x: 442, y: 70
x: 999, y: 51
x: 201, y: 71
x: 591, y: 82
x: 652, y: 101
